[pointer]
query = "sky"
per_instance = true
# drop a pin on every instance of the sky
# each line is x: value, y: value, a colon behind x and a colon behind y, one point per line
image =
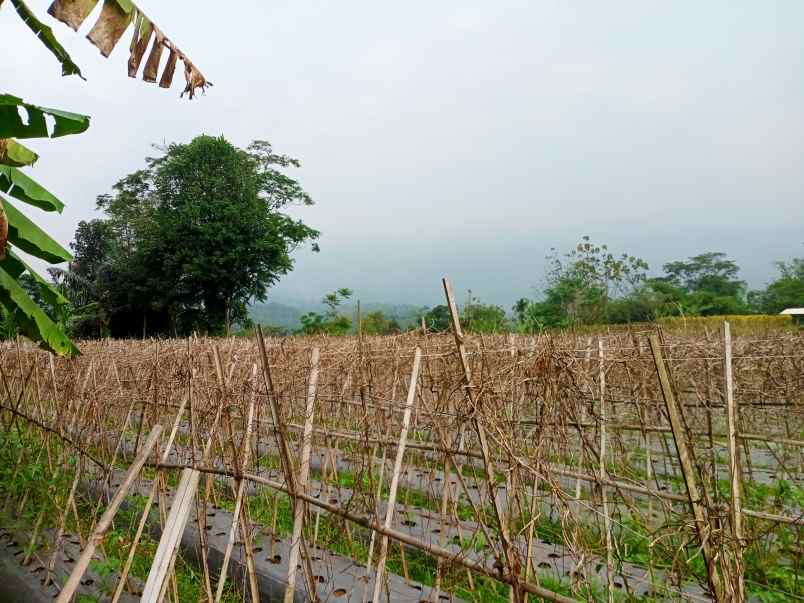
x: 462, y: 138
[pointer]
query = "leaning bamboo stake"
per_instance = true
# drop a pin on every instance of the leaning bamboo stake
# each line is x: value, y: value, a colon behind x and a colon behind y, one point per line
x: 304, y: 471
x: 105, y: 522
x: 239, y: 460
x: 147, y: 508
x: 734, y: 467
x: 481, y: 436
x: 400, y: 453
x: 702, y: 524
x: 284, y: 453
x: 532, y: 520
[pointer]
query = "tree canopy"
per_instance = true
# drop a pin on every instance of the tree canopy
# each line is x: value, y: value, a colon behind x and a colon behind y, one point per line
x: 187, y: 242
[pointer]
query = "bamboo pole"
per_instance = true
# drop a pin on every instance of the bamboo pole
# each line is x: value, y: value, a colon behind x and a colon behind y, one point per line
x: 105, y: 521
x: 702, y: 524
x: 511, y: 561
x: 147, y: 508
x: 171, y: 535
x: 304, y: 471
x: 400, y: 453
x: 604, y: 493
x: 238, y: 509
x: 734, y: 467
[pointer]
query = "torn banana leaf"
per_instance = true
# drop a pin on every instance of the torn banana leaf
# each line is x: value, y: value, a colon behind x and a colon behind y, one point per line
x: 45, y: 34
x: 16, y: 154
x: 35, y: 324
x: 143, y: 29
x: 110, y: 26
x: 170, y: 68
x: 21, y: 186
x: 151, y: 69
x: 116, y: 16
x: 12, y: 124
x: 26, y: 235
x: 72, y: 12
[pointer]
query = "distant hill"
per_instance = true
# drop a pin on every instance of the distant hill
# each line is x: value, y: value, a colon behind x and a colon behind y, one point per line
x: 288, y: 314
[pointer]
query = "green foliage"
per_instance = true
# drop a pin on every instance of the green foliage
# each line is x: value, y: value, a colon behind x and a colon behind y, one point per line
x: 188, y: 241
x: 15, y: 154
x: 477, y: 317
x: 24, y: 188
x: 18, y: 119
x: 23, y: 293
x: 706, y: 284
x: 785, y: 292
x: 581, y: 286
x: 12, y: 125
x: 589, y: 286
x: 331, y: 322
x: 376, y: 323
x: 437, y: 319
x: 26, y: 235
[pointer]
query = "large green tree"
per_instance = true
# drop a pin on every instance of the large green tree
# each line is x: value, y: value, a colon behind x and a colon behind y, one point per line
x: 787, y: 291
x: 706, y: 284
x: 193, y: 237
x: 581, y: 287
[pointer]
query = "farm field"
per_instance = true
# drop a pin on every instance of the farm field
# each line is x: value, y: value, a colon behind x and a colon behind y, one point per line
x: 417, y: 467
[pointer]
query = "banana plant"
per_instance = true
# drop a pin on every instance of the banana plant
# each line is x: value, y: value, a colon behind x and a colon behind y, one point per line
x: 22, y: 120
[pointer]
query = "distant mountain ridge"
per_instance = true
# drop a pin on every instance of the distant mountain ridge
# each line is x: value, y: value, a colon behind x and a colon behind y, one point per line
x: 288, y: 313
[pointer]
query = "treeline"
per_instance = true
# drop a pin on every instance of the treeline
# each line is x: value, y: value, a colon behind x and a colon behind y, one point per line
x: 589, y: 285
x: 187, y: 243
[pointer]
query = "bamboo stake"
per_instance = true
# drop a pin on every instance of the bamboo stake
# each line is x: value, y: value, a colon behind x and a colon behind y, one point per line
x: 734, y: 467
x: 241, y: 489
x: 400, y: 453
x: 604, y: 492
x: 377, y: 497
x: 174, y: 528
x: 481, y: 435
x: 702, y: 524
x: 304, y: 471
x: 241, y: 516
x: 147, y: 508
x: 51, y: 564
x: 105, y: 522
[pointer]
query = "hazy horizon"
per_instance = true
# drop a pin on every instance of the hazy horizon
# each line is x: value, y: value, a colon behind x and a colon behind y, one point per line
x: 463, y: 139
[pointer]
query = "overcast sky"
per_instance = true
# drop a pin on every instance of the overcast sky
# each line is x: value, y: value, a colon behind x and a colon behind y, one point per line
x: 463, y: 138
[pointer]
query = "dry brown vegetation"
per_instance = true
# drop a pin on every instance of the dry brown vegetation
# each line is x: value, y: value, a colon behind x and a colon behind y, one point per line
x: 533, y: 467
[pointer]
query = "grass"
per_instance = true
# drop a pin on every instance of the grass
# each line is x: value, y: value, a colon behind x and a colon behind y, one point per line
x: 34, y: 480
x: 771, y: 573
